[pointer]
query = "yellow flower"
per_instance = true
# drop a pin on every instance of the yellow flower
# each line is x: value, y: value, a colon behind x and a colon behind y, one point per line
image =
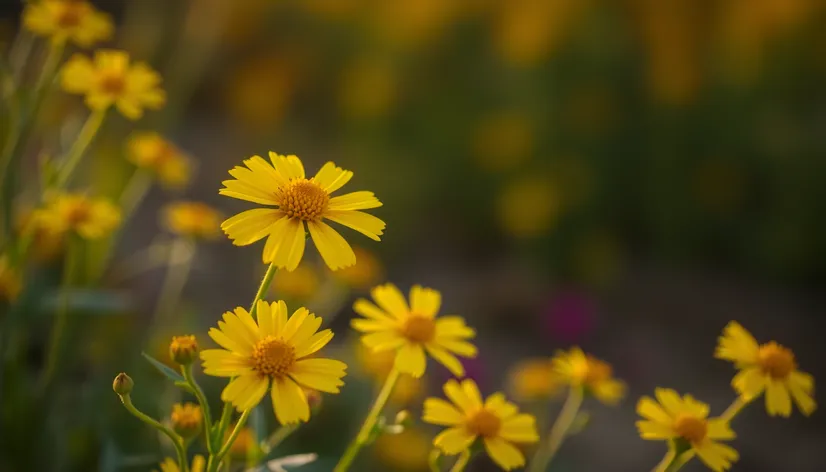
x: 170, y: 465
x: 90, y: 218
x: 534, y: 379
x: 767, y: 367
x: 406, y: 451
x: 183, y: 349
x: 111, y: 80
x: 497, y: 421
x: 192, y: 219
x: 68, y: 20
x: 46, y: 241
x: 186, y: 419
x: 10, y: 283
x: 580, y: 370
x: 412, y: 330
x: 366, y: 272
x: 300, y: 202
x: 686, y: 419
x: 528, y: 207
x: 148, y: 150
x: 274, y: 350
x: 299, y: 284
x: 379, y: 365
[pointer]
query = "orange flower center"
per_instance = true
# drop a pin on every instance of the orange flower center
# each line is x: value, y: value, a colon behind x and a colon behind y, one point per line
x: 484, y: 423
x: 70, y: 15
x: 419, y: 329
x: 303, y: 199
x: 597, y: 371
x: 776, y: 360
x: 112, y: 84
x: 273, y: 357
x: 78, y: 214
x: 691, y: 428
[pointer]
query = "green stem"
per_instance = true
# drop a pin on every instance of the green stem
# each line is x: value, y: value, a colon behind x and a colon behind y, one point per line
x: 134, y: 192
x: 279, y: 435
x: 559, y: 430
x: 462, y: 462
x: 180, y: 257
x: 75, y: 154
x: 55, y: 345
x: 202, y: 400
x: 735, y: 408
x: 232, y: 437
x: 434, y: 459
x: 666, y: 461
x: 364, y: 433
x: 177, y: 441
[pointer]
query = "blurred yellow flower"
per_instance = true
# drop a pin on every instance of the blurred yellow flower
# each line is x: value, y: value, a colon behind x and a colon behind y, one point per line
x: 299, y: 284
x: 148, y: 150
x: 170, y: 465
x: 406, y: 451
x: 686, y: 420
x: 244, y: 444
x: 502, y: 141
x: 412, y: 330
x: 68, y: 20
x: 577, y: 369
x: 90, y: 218
x: 192, y: 219
x: 275, y: 350
x: 528, y: 207
x: 366, y: 272
x: 111, y: 80
x: 46, y: 241
x: 379, y: 364
x: 186, y: 419
x: 368, y: 89
x: 413, y: 22
x: 496, y: 420
x: 260, y: 91
x: 301, y: 203
x: 183, y: 349
x: 534, y: 379
x: 767, y: 367
x: 10, y: 283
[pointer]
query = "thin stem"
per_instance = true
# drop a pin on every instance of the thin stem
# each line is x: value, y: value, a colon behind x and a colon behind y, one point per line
x: 433, y: 460
x: 462, y: 462
x: 233, y: 436
x: 55, y: 345
x: 202, y: 400
x: 666, y: 461
x: 679, y: 461
x: 735, y: 408
x: 75, y: 154
x: 179, y: 262
x: 177, y: 441
x: 559, y: 430
x: 134, y: 192
x: 367, y: 427
x: 279, y: 435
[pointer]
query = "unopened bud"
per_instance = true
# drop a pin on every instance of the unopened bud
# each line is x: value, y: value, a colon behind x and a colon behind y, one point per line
x: 123, y: 384
x: 183, y: 349
x: 403, y: 418
x: 187, y: 419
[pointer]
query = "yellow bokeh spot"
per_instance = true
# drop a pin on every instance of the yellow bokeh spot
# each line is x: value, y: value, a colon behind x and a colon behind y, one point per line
x: 528, y: 207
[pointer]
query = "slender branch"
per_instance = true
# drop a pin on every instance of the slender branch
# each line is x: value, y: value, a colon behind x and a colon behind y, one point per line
x: 180, y: 257
x: 233, y: 436
x: 55, y: 345
x: 735, y: 408
x: 75, y: 154
x: 177, y: 441
x: 462, y: 462
x: 202, y: 400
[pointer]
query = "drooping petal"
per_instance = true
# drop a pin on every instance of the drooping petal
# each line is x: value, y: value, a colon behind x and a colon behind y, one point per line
x: 279, y: 232
x: 718, y: 457
x: 778, y: 401
x: 361, y: 200
x: 250, y: 226
x: 246, y: 391
x: 446, y: 359
x: 505, y: 454
x: 800, y: 385
x: 749, y: 382
x: 719, y: 428
x: 453, y: 327
x: 289, y: 401
x: 462, y: 348
x: 334, y: 249
x: 454, y: 440
x: 291, y: 249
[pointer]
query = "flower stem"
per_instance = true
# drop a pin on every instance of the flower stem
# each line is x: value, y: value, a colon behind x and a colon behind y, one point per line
x: 55, y: 345
x: 179, y: 263
x: 462, y: 462
x: 735, y: 408
x: 75, y: 154
x: 202, y: 400
x: 559, y: 430
x: 667, y: 460
x: 177, y: 441
x: 216, y: 459
x: 134, y: 192
x: 364, y: 433
x: 279, y: 435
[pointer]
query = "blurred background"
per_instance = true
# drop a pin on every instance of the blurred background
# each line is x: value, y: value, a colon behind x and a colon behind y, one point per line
x: 626, y: 176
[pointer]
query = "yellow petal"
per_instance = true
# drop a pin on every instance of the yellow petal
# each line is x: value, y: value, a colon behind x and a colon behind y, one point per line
x: 361, y: 200
x: 222, y: 363
x: 464, y: 349
x: 778, y: 401
x: 246, y: 391
x: 649, y: 409
x: 520, y: 428
x: 654, y: 430
x: 288, y: 166
x: 279, y: 315
x: 719, y: 428
x: 334, y: 249
x: 670, y: 400
x: 453, y: 327
x: 307, y: 329
x: 77, y: 75
x: 289, y: 401
x: 440, y: 412
x: 749, y: 382
x: 323, y: 375
x: 390, y: 298
x: 454, y: 440
x: 294, y: 323
x: 425, y: 301
x: 718, y: 457
x: 364, y: 223
x: 368, y: 310
x: 410, y: 359
x: 266, y: 323
x: 278, y: 234
x: 737, y: 345
x: 456, y: 394
x: 505, y: 454
x: 314, y: 343
x: 800, y: 385
x: 250, y: 226
x: 383, y: 340
x: 472, y: 392
x: 446, y: 359
x: 332, y: 178
x: 229, y: 343
x: 291, y: 248
x: 499, y: 405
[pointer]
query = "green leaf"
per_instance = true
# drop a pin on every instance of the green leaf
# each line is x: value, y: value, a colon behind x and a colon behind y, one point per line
x: 88, y: 301
x: 184, y: 385
x: 167, y: 371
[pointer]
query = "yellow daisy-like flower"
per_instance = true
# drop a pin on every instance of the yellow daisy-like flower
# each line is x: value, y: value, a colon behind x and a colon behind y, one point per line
x: 68, y: 20
x: 192, y: 220
x: 186, y: 419
x: 412, y: 330
x: 275, y: 350
x: 299, y: 202
x: 171, y: 166
x: 497, y: 421
x: 534, y: 379
x: 767, y: 367
x: 111, y: 80
x: 170, y: 465
x: 580, y: 370
x: 90, y: 218
x: 686, y: 419
x: 10, y: 283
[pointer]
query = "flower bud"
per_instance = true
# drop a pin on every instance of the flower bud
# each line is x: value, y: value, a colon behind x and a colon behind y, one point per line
x: 123, y: 384
x: 187, y: 419
x: 183, y: 349
x: 403, y: 418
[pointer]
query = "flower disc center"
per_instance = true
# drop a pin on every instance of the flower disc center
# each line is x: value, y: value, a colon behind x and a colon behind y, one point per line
x: 485, y: 424
x: 419, y: 329
x: 112, y: 84
x: 303, y: 199
x: 70, y: 16
x: 691, y: 428
x: 273, y: 357
x: 776, y: 360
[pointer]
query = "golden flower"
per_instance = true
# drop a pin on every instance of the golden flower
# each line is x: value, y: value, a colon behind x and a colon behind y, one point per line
x: 686, y: 420
x: 186, y: 419
x: 379, y: 365
x: 299, y: 284
x: 496, y: 420
x: 534, y: 379
x: 111, y: 80
x: 148, y: 150
x: 10, y: 283
x: 46, y: 241
x: 412, y: 330
x: 274, y: 351
x: 192, y: 219
x: 183, y: 349
x: 528, y: 207
x: 170, y: 465
x: 68, y: 20
x: 767, y: 367
x: 577, y: 369
x: 366, y: 272
x: 89, y: 218
x: 406, y: 451
x: 301, y: 204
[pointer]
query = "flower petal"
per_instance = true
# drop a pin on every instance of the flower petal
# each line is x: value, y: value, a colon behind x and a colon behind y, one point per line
x: 440, y: 412
x: 778, y: 401
x: 246, y: 391
x: 361, y: 200
x: 334, y: 249
x: 289, y: 401
x: 320, y: 374
x: 505, y: 454
x: 332, y: 178
x: 425, y: 301
x: 454, y: 440
x: 364, y: 223
x: 410, y: 359
x: 446, y: 359
x: 390, y: 298
x: 250, y: 226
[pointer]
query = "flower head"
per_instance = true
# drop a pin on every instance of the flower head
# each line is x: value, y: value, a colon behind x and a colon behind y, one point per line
x: 685, y: 419
x: 111, y: 80
x: 192, y: 219
x: 68, y: 20
x: 276, y: 351
x: 412, y: 330
x: 89, y: 218
x: 186, y: 419
x: 497, y: 421
x: 534, y: 379
x: 170, y: 465
x: 183, y: 349
x: 301, y: 204
x: 10, y: 283
x: 148, y: 150
x: 580, y: 370
x: 767, y: 367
